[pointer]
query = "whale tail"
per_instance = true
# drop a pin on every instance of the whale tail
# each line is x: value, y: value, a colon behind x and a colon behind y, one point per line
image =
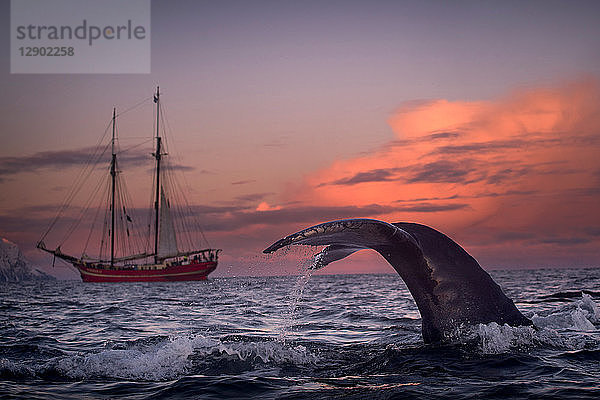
x: 449, y: 287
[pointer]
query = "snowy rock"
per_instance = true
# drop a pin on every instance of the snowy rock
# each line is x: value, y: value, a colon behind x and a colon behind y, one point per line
x: 14, y: 267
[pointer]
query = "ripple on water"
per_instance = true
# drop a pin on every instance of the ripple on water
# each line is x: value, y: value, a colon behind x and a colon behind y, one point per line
x: 296, y: 337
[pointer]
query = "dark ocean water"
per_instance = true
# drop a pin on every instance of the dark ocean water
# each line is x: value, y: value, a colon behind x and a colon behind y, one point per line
x: 352, y: 336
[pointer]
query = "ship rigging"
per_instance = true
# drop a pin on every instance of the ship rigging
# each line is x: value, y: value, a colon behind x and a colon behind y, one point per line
x: 165, y: 252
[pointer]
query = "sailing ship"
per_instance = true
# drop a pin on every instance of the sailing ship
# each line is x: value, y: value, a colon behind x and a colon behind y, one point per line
x: 160, y: 259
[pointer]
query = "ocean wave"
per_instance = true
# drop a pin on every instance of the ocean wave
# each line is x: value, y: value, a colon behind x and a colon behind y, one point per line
x: 160, y: 359
x: 165, y: 360
x: 570, y: 327
x: 265, y: 352
x: 10, y: 370
x: 322, y: 343
x: 579, y: 316
x: 568, y: 295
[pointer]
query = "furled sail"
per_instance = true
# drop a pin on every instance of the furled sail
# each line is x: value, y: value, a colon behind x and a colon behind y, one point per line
x: 167, y: 242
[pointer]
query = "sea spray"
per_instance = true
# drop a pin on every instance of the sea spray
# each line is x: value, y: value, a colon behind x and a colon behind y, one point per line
x: 578, y: 316
x: 306, y: 268
x: 352, y: 338
x: 554, y: 330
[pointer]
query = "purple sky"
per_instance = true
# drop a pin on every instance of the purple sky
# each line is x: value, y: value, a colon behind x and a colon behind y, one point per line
x: 270, y: 102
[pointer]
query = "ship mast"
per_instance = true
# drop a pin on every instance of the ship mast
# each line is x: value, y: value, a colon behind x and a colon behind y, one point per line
x: 113, y: 173
x: 158, y: 156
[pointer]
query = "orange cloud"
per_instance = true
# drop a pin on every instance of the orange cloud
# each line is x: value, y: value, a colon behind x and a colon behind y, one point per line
x: 524, y: 169
x: 264, y: 206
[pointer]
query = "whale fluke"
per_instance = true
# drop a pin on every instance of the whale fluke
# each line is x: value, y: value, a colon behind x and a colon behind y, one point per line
x: 450, y: 288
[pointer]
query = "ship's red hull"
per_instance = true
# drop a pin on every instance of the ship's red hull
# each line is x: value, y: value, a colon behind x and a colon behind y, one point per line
x: 196, y: 271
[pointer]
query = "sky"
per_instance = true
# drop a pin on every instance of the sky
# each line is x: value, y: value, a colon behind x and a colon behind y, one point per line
x: 478, y: 118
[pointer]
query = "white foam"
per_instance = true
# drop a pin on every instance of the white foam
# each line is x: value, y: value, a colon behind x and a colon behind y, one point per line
x: 171, y: 359
x: 592, y: 309
x: 265, y: 352
x: 495, y: 339
x: 567, y: 328
x: 165, y: 360
x: 578, y: 316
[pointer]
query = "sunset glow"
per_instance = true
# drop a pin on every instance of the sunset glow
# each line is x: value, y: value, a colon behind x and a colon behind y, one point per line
x: 284, y: 115
x: 520, y: 172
